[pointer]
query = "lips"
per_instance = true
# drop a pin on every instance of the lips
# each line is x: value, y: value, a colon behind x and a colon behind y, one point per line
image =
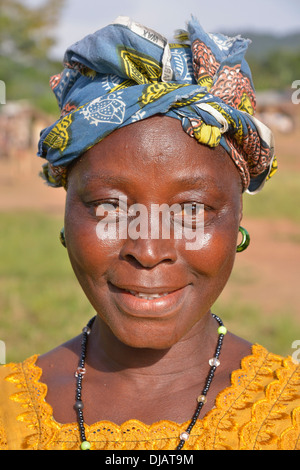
x: 145, y: 302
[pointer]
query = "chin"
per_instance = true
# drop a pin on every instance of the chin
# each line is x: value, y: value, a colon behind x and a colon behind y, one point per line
x: 147, y: 336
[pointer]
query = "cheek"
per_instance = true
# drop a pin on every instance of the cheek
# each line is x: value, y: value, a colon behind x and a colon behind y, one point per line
x: 215, y: 259
x: 211, y: 267
x: 89, y: 255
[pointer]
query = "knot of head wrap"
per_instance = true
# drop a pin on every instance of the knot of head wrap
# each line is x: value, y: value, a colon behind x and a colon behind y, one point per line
x: 126, y: 72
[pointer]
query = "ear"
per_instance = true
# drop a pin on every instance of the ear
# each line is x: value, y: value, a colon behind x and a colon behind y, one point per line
x: 241, y: 208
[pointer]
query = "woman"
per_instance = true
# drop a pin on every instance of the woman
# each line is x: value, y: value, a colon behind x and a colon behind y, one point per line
x: 146, y: 124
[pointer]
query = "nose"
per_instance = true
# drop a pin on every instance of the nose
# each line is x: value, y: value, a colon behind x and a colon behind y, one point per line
x: 149, y: 253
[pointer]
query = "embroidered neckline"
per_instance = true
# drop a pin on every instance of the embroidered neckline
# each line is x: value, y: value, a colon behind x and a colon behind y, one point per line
x: 238, y: 378
x: 264, y: 385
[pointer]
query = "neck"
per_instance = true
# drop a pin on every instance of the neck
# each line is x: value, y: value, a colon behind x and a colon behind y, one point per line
x: 106, y: 352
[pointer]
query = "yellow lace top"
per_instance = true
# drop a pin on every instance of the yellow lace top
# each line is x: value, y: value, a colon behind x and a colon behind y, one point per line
x: 260, y: 410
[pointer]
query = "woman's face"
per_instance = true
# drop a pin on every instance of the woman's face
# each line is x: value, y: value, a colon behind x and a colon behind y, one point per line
x: 151, y: 291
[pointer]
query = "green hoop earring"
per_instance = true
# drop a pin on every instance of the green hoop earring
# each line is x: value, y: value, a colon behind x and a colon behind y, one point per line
x: 62, y: 237
x: 245, y: 241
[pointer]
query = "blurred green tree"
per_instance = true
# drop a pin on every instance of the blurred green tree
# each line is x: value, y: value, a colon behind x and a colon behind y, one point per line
x: 25, y: 31
x: 26, y: 38
x: 277, y: 70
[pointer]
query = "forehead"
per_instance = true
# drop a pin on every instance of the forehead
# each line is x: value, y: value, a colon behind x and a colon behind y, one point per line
x: 154, y: 149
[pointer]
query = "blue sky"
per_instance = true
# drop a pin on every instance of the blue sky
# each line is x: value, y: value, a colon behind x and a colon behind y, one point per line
x: 81, y: 17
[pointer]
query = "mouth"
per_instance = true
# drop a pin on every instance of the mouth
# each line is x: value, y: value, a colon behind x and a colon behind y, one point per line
x: 142, y: 295
x: 149, y: 302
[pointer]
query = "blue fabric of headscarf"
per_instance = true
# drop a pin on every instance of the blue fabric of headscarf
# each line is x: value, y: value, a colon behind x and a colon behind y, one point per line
x: 126, y: 72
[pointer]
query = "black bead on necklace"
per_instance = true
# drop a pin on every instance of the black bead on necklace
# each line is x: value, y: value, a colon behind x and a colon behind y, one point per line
x: 80, y: 372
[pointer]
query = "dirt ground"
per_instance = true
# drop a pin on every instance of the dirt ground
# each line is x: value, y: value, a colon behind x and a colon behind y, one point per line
x: 271, y: 265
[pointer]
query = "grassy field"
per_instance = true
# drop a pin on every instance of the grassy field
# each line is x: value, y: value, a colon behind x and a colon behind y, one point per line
x: 41, y: 304
x: 279, y: 199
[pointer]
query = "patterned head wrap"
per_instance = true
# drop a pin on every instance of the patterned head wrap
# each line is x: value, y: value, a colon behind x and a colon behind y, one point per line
x: 126, y: 72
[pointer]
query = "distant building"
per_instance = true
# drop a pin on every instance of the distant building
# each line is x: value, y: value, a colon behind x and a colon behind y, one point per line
x: 20, y: 126
x: 277, y: 111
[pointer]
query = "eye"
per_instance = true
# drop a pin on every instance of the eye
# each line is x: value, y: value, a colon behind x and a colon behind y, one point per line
x: 193, y: 210
x: 190, y: 215
x: 109, y: 209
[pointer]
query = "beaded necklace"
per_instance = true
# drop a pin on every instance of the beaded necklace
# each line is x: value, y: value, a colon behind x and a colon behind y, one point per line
x: 80, y: 372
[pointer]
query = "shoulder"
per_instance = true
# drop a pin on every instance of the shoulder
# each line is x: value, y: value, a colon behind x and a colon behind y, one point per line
x: 265, y: 363
x: 261, y: 365
x: 15, y: 377
x: 60, y: 361
x: 275, y: 377
x: 19, y: 387
x: 266, y: 390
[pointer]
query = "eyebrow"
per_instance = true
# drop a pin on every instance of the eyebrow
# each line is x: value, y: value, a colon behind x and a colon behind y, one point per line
x: 200, y: 181
x: 107, y: 179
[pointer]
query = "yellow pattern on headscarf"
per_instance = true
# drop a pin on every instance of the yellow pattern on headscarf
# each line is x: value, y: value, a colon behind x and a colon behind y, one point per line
x: 208, y: 135
x: 274, y: 168
x: 140, y: 68
x: 206, y: 81
x: 58, y: 138
x: 155, y: 91
x: 245, y: 104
